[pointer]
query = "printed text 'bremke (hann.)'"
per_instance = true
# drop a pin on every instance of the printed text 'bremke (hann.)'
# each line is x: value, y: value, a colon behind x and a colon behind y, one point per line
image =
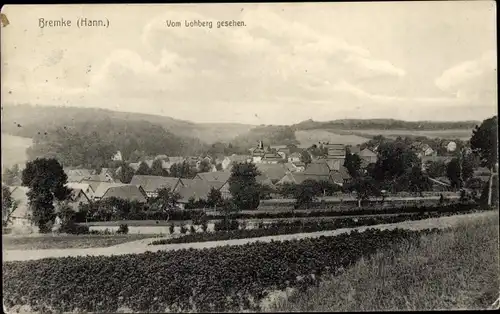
x: 82, y: 22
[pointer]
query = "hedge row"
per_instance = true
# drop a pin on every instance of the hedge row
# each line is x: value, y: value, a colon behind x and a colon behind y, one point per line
x: 298, y: 226
x: 177, y: 215
x: 218, y: 279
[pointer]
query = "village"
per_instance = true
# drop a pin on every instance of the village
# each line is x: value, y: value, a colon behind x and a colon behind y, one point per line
x: 278, y: 165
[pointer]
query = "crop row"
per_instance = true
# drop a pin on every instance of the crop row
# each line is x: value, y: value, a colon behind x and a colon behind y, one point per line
x: 216, y: 279
x: 298, y: 226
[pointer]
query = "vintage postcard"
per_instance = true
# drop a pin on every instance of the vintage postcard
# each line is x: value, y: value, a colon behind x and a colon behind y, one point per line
x: 249, y: 157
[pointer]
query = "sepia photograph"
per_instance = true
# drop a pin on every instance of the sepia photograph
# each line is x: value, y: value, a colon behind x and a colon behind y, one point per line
x: 238, y: 157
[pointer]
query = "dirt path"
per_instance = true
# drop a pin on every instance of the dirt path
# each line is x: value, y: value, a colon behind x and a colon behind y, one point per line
x: 141, y: 246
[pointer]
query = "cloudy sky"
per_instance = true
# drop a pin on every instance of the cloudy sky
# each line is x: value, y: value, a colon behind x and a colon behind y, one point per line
x: 291, y: 62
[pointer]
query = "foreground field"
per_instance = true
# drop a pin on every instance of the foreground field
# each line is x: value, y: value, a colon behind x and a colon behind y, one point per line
x: 141, y: 246
x: 44, y: 242
x: 245, y: 277
x: 458, y: 269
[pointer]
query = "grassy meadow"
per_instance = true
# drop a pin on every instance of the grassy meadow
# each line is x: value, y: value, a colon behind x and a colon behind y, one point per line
x: 455, y: 270
x: 63, y: 241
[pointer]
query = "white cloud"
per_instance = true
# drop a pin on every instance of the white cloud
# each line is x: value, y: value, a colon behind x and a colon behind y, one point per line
x: 470, y: 78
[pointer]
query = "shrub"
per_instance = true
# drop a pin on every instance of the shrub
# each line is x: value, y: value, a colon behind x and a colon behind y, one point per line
x: 192, y: 230
x: 70, y: 227
x: 184, y: 229
x: 123, y: 229
x: 226, y: 225
x: 204, y: 226
x: 171, y: 228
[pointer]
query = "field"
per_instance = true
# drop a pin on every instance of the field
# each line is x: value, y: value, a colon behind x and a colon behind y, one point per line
x: 42, y: 242
x: 447, y: 134
x: 310, y: 137
x: 249, y: 276
x: 14, y: 149
x: 458, y: 269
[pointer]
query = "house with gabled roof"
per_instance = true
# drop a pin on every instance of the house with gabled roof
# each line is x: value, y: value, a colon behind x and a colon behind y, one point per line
x: 22, y: 213
x: 229, y: 161
x: 368, y: 155
x: 132, y: 193
x: 86, y: 188
x: 273, y: 171
x: 199, y: 190
x: 151, y: 184
x: 271, y: 158
x: 218, y: 176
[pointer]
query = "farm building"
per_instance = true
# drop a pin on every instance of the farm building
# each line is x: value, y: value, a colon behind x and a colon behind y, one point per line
x: 21, y: 214
x: 84, y: 187
x: 274, y: 172
x: 199, y: 190
x: 76, y: 198
x: 227, y: 162
x: 127, y: 192
x: 151, y: 184
x: 367, y: 155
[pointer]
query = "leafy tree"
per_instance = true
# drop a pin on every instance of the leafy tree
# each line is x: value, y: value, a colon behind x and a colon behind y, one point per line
x: 326, y: 188
x: 305, y: 193
x: 9, y: 205
x: 459, y: 174
x: 126, y: 173
x: 218, y: 166
x: 204, y: 166
x: 136, y: 156
x: 157, y: 169
x: 243, y: 186
x: 214, y: 198
x: 287, y: 190
x: 166, y: 200
x: 436, y: 169
x: 265, y: 191
x: 143, y: 169
x: 353, y: 164
x: 305, y: 157
x: 365, y: 187
x: 191, y: 204
x: 46, y: 180
x: 182, y: 170
x: 484, y: 142
x: 418, y: 182
x: 395, y: 160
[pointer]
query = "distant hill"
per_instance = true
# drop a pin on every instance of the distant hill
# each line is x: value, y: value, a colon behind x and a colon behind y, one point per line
x: 384, y: 124
x: 14, y: 150
x: 27, y: 121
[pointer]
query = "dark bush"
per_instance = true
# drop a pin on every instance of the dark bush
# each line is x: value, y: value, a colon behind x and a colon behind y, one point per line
x: 72, y: 228
x: 123, y: 229
x: 171, y: 228
x: 184, y: 229
x: 226, y: 224
x: 192, y: 229
x: 204, y: 226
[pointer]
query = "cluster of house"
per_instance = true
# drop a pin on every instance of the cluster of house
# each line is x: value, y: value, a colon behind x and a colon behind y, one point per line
x: 277, y: 165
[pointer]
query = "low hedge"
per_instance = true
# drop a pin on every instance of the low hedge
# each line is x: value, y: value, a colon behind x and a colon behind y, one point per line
x: 218, y: 279
x: 177, y: 215
x: 283, y: 227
